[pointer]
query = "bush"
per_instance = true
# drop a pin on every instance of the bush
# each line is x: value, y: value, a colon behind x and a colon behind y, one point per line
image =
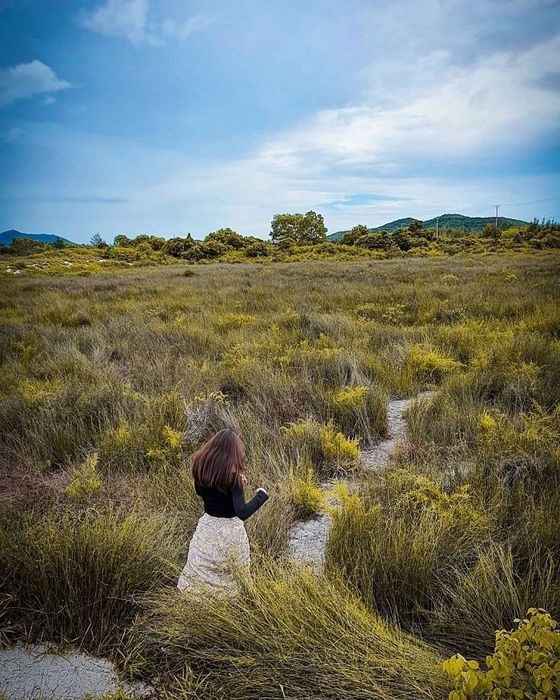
x: 525, y: 663
x: 306, y: 494
x: 358, y: 411
x: 430, y: 365
x: 75, y: 578
x: 328, y: 450
x: 85, y: 480
x: 487, y: 595
x: 398, y: 543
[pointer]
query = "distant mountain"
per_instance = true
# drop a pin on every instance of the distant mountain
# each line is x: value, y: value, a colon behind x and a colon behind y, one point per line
x: 6, y: 237
x: 447, y: 222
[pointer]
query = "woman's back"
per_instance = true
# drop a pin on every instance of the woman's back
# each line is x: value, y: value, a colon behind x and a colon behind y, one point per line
x: 229, y: 504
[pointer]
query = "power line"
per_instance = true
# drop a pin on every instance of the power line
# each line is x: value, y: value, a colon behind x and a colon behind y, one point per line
x: 533, y: 201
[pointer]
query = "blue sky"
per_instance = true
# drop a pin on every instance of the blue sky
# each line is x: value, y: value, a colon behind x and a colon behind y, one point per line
x: 167, y: 117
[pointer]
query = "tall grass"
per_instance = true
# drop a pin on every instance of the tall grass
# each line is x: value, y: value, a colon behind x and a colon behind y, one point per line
x: 289, y: 635
x: 139, y: 367
x: 77, y: 579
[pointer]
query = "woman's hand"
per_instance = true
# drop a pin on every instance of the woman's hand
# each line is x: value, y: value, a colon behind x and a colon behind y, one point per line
x: 244, y: 480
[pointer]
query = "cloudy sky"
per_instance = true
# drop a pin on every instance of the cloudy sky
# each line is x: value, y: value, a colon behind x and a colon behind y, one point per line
x: 170, y: 116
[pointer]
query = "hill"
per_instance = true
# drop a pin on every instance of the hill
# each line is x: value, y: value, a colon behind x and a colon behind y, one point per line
x: 6, y: 237
x: 447, y: 222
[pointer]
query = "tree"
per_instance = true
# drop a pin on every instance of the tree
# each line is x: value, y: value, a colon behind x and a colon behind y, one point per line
x: 178, y: 247
x: 376, y: 240
x: 415, y: 226
x: 58, y: 243
x: 122, y: 241
x: 26, y: 246
x: 350, y: 237
x: 302, y: 228
x: 213, y: 249
x: 97, y: 242
x: 491, y: 231
x: 228, y: 237
x: 257, y: 249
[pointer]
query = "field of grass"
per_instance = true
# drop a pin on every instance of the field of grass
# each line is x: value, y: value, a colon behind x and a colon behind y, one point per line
x: 110, y: 380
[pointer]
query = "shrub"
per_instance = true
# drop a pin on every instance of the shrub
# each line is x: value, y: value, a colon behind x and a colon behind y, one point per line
x: 429, y: 364
x: 85, y: 480
x: 306, y: 494
x: 525, y: 663
x: 399, y: 543
x: 75, y: 578
x: 328, y: 450
x: 359, y: 411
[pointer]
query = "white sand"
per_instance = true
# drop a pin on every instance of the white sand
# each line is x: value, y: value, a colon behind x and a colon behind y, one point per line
x: 30, y: 673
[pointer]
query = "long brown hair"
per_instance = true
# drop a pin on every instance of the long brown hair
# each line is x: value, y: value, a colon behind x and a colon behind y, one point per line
x: 220, y: 462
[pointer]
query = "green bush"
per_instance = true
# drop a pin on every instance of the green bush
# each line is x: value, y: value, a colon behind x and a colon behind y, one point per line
x: 400, y: 542
x: 306, y: 494
x: 76, y: 578
x: 525, y: 663
x: 329, y: 451
x: 85, y: 480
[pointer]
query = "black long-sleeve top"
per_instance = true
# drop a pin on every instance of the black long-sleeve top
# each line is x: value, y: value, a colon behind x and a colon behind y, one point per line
x: 229, y: 504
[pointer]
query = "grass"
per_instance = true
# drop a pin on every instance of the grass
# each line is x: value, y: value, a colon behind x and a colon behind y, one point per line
x: 110, y: 380
x: 291, y: 635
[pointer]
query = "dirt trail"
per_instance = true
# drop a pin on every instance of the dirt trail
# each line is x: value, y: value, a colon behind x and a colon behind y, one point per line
x: 308, y: 538
x: 30, y: 673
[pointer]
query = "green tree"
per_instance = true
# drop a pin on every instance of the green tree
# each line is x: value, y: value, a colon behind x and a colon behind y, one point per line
x: 25, y: 246
x: 376, y: 240
x: 350, y: 237
x: 97, y: 242
x: 415, y: 226
x: 213, y: 249
x: 257, y: 249
x: 491, y: 231
x: 58, y: 243
x: 227, y: 237
x: 302, y: 228
x: 122, y: 241
x: 179, y: 247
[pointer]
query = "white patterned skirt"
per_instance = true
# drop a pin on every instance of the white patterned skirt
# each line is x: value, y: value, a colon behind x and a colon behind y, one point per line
x: 219, y: 546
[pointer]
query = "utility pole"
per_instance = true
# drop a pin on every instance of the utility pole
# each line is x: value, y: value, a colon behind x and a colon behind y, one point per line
x: 497, y: 207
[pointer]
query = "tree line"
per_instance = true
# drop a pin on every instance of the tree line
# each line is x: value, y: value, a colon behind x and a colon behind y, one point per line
x: 296, y: 234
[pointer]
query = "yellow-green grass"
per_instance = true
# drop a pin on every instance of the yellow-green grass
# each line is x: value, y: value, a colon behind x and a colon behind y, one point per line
x: 109, y: 381
x: 290, y: 634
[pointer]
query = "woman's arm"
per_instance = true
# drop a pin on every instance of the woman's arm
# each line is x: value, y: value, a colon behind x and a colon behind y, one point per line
x: 245, y: 510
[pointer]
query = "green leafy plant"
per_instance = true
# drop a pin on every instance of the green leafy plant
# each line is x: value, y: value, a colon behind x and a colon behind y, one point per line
x: 525, y: 663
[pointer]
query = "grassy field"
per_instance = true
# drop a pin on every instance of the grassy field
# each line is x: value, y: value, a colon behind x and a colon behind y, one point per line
x: 110, y: 380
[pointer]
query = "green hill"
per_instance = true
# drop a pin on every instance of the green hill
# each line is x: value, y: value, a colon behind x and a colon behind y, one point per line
x: 6, y: 237
x: 447, y: 222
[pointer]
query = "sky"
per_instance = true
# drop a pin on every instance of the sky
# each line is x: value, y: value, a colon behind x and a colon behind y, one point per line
x: 173, y: 116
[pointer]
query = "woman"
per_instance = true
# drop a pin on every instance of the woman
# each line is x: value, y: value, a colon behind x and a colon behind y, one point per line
x: 220, y: 540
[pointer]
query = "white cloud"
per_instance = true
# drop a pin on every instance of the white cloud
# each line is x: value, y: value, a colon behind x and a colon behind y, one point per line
x: 182, y: 30
x: 28, y: 79
x: 461, y: 112
x: 130, y: 19
x: 416, y: 147
x: 468, y: 115
x: 117, y: 18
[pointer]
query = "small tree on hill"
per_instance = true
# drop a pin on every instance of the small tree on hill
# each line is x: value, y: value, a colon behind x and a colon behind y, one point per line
x: 228, y: 237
